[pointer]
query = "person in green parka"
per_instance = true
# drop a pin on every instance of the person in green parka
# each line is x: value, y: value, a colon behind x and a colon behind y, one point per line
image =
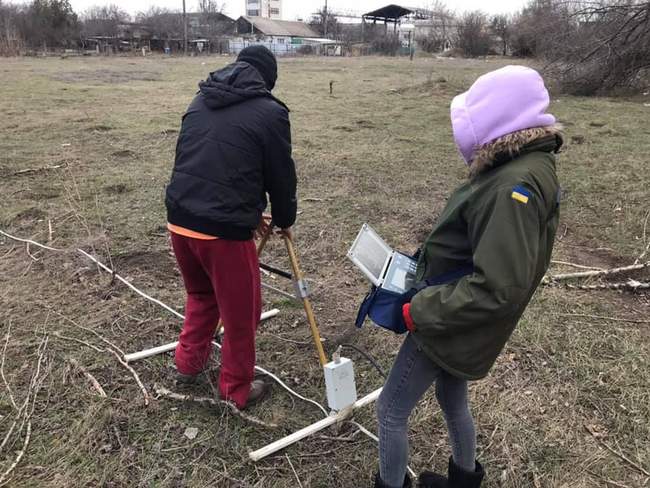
x: 500, y: 227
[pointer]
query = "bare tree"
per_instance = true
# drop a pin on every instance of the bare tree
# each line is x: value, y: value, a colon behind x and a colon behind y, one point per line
x: 473, y: 35
x: 436, y: 30
x: 11, y: 38
x: 325, y: 18
x: 609, y: 47
x: 542, y: 28
x: 500, y: 26
x: 103, y: 20
x: 164, y: 23
x: 213, y: 22
x: 50, y: 23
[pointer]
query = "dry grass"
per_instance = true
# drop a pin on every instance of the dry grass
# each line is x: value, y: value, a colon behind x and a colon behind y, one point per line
x: 379, y: 150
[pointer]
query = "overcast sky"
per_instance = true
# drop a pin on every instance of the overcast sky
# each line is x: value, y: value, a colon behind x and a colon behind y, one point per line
x: 294, y: 9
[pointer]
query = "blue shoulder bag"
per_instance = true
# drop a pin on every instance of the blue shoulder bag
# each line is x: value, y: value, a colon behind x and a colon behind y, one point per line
x: 384, y: 307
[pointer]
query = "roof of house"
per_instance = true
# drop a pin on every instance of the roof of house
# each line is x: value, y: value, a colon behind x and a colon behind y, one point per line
x: 271, y: 27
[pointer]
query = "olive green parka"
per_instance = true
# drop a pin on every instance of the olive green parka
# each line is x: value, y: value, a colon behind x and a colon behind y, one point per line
x: 503, y: 222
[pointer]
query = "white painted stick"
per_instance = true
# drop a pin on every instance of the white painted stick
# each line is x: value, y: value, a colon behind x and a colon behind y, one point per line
x: 147, y: 353
x: 311, y: 429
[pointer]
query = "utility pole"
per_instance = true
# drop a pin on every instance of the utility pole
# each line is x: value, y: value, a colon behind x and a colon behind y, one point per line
x: 325, y: 27
x: 184, y: 29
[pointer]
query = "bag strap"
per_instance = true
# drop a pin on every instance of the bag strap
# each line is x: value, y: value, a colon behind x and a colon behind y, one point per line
x: 446, y: 277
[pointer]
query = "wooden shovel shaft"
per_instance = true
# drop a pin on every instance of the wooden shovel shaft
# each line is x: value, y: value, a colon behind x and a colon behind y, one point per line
x: 309, y: 311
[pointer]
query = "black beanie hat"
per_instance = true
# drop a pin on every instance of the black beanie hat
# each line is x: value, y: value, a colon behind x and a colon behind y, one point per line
x: 263, y: 61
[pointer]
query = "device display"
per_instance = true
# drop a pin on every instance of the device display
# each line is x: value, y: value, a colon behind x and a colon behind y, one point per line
x: 383, y: 266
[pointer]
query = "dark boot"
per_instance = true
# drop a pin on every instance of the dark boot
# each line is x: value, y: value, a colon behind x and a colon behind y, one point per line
x: 458, y: 477
x: 380, y: 484
x: 429, y: 479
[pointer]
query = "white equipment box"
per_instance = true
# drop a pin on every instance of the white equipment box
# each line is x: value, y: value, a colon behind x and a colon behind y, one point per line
x: 339, y: 383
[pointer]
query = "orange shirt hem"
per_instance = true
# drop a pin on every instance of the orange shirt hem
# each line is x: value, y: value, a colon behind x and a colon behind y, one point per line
x: 182, y: 231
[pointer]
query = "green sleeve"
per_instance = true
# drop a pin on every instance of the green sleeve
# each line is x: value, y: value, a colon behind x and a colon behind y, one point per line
x: 504, y: 234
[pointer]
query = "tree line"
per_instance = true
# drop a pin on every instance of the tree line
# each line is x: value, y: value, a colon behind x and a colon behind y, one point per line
x: 52, y: 24
x: 591, y: 47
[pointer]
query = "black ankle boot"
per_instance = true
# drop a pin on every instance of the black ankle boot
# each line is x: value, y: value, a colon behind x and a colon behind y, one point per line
x: 380, y: 484
x: 458, y: 477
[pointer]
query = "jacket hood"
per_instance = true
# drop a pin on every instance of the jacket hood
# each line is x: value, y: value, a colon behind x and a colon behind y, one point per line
x: 507, y: 100
x: 234, y: 84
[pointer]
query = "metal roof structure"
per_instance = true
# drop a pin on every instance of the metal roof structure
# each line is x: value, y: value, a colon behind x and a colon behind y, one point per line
x: 270, y: 27
x: 389, y: 13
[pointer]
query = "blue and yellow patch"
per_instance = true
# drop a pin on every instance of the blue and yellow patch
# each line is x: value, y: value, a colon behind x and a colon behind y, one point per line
x: 521, y: 194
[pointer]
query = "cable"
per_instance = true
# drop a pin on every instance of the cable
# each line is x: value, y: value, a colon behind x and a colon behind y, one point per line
x: 368, y: 357
x: 171, y: 310
x: 163, y: 305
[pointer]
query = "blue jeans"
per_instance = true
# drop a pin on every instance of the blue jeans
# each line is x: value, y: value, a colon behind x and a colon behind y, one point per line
x: 409, y: 379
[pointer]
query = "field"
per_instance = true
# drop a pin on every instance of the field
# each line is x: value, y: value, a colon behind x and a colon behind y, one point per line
x: 86, y: 149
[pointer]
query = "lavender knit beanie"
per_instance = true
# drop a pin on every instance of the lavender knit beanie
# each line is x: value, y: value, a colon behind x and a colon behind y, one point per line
x: 507, y: 100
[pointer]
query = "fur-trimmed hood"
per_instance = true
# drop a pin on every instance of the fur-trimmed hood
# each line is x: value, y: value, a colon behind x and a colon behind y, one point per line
x: 510, y: 146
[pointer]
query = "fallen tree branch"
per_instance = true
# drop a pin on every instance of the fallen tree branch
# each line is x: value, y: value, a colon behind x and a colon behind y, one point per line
x: 166, y: 307
x: 590, y: 274
x: 10, y: 431
x: 91, y: 378
x: 19, y: 456
x: 622, y: 456
x: 94, y: 332
x: 37, y: 170
x: 79, y: 341
x: 145, y: 393
x: 579, y: 266
x: 294, y: 471
x: 631, y: 285
x: 164, y: 392
x: 2, y: 367
x: 647, y: 248
x: 600, y: 317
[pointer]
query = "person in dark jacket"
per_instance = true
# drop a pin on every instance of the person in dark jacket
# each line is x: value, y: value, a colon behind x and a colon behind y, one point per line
x: 499, y: 226
x: 234, y: 149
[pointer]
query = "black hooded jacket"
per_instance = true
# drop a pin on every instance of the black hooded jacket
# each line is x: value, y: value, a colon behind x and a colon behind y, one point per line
x: 234, y: 147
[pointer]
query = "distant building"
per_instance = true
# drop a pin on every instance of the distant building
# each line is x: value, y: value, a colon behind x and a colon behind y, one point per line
x: 268, y: 9
x: 281, y: 37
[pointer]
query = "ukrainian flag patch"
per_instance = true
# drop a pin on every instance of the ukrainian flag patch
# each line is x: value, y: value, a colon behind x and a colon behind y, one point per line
x: 521, y: 194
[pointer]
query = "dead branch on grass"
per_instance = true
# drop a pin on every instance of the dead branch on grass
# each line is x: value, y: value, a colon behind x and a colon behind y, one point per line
x: 590, y: 274
x: 600, y: 317
x: 19, y: 455
x: 34, y: 258
x: 631, y: 285
x: 78, y: 341
x: 620, y: 455
x: 145, y: 393
x: 164, y: 392
x: 2, y: 367
x: 13, y: 248
x: 91, y: 378
x: 94, y: 332
x: 579, y: 266
x: 608, y: 481
x: 38, y: 170
x: 645, y: 239
x: 294, y: 471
